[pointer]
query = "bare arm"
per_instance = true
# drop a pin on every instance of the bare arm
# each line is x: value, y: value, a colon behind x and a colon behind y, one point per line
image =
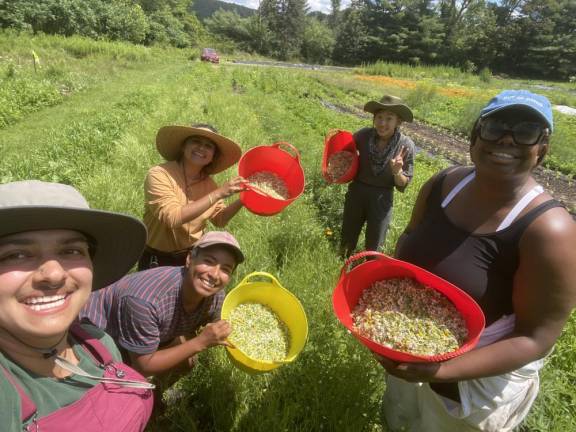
x: 544, y: 295
x: 196, y: 208
x: 168, y: 358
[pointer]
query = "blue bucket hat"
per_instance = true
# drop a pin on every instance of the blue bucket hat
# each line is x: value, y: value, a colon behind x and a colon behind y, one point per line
x: 536, y: 103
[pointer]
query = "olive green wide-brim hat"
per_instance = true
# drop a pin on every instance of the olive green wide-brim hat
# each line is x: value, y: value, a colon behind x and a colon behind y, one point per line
x: 34, y: 205
x: 169, y: 141
x: 393, y: 104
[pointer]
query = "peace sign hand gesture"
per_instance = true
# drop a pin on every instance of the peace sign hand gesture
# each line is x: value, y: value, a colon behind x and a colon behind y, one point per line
x: 397, y: 162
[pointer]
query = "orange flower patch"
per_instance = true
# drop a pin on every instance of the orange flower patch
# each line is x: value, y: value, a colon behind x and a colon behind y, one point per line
x: 448, y: 91
x: 456, y: 92
x: 388, y: 80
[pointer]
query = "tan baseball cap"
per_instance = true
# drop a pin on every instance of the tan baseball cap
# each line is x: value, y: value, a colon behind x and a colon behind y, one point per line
x: 224, y: 238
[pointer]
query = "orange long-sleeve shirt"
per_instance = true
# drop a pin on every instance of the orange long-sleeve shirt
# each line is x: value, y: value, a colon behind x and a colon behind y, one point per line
x: 165, y: 195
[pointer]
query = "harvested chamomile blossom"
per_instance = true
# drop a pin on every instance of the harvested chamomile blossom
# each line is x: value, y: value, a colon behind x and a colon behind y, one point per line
x: 270, y: 184
x: 406, y: 316
x: 258, y: 332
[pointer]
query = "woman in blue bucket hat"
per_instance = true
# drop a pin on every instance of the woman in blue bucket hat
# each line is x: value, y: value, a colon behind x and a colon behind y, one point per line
x: 493, y: 231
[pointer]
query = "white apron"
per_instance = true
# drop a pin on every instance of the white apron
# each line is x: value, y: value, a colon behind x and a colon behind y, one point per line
x: 494, y: 404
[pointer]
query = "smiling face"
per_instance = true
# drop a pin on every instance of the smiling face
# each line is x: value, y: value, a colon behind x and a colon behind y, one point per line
x: 45, y: 279
x: 504, y: 156
x: 198, y: 150
x: 385, y: 123
x: 209, y: 270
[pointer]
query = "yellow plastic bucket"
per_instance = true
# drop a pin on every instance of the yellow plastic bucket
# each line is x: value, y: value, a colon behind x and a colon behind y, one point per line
x: 285, y: 304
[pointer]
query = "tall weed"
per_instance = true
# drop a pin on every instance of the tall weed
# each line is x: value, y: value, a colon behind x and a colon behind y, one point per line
x: 401, y: 70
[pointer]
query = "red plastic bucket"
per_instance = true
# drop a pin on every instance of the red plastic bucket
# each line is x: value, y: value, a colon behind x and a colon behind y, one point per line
x: 353, y: 282
x: 277, y: 160
x: 337, y: 141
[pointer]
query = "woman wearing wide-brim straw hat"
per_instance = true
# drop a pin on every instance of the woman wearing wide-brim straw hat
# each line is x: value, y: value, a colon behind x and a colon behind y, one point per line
x: 181, y: 196
x: 386, y: 162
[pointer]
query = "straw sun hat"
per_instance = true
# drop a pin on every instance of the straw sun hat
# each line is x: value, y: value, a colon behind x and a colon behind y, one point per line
x: 34, y: 205
x: 170, y: 138
x: 390, y: 103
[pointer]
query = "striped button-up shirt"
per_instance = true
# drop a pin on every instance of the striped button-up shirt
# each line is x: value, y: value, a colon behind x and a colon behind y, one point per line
x: 144, y: 310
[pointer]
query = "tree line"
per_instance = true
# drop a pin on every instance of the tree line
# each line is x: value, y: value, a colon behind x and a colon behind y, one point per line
x: 164, y: 22
x: 528, y: 38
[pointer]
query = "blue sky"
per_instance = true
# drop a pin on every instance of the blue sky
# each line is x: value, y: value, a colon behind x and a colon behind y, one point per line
x: 315, y: 5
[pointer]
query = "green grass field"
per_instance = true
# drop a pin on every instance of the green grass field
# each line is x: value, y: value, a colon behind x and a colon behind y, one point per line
x: 99, y: 136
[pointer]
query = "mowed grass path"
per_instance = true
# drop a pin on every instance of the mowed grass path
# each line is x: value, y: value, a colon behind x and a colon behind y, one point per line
x: 102, y: 141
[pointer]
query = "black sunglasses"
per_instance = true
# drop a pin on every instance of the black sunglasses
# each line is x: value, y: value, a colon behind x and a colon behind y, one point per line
x: 524, y: 133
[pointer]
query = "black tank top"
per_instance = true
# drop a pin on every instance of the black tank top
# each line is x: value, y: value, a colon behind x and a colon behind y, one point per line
x: 483, y: 265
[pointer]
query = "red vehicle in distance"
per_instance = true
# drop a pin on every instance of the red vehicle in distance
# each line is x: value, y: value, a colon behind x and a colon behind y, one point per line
x: 210, y: 55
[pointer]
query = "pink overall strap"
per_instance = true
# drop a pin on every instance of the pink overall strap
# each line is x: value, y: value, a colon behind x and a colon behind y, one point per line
x: 96, y: 348
x: 27, y: 407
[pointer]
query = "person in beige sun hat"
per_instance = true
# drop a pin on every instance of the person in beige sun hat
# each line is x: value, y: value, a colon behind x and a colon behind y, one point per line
x: 386, y: 163
x: 181, y: 196
x: 57, y: 374
x: 170, y: 139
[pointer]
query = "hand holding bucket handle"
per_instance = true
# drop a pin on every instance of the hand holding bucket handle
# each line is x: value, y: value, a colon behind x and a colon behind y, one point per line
x: 287, y: 144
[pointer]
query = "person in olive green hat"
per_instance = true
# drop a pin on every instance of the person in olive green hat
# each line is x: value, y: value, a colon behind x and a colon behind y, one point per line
x: 386, y: 162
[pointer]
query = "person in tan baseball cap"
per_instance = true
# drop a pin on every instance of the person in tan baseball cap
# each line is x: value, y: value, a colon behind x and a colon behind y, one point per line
x: 181, y: 195
x: 161, y: 318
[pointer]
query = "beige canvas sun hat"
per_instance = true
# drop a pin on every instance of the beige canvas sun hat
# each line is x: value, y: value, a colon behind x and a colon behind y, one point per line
x: 34, y: 205
x: 169, y: 141
x: 393, y: 104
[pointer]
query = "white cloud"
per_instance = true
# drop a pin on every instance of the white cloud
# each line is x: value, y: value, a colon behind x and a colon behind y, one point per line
x: 252, y: 4
x: 315, y: 5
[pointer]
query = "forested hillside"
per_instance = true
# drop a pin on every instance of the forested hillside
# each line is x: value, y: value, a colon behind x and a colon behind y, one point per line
x: 206, y: 8
x: 526, y: 38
